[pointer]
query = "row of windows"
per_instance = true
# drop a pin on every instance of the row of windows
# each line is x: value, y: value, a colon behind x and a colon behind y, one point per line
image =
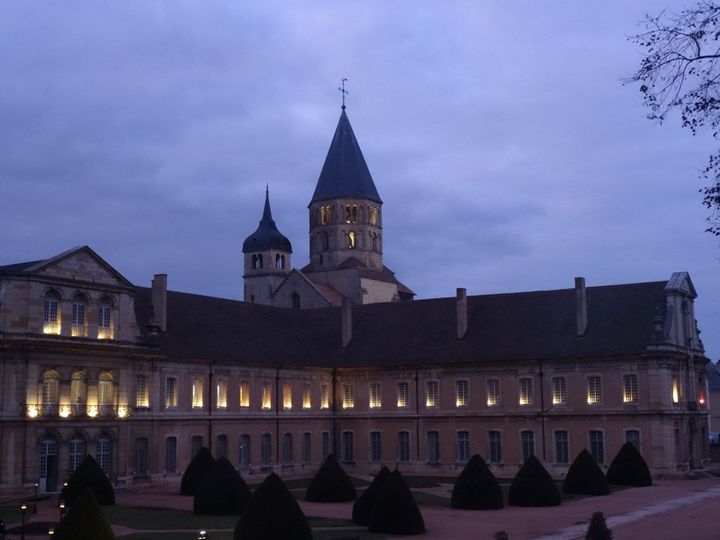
x: 79, y: 323
x: 78, y: 406
x: 257, y: 261
x: 351, y: 213
x: 77, y: 449
x: 350, y: 240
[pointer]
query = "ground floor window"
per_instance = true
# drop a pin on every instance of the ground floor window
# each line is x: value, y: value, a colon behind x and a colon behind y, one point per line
x: 348, y: 446
x: 463, y: 446
x: 76, y: 449
x: 221, y: 448
x: 307, y: 447
x: 195, y: 445
x: 325, y: 444
x: 375, y: 446
x: 404, y: 446
x: 597, y: 446
x: 266, y: 450
x: 527, y: 440
x: 287, y: 449
x: 141, y: 455
x: 244, y: 451
x: 633, y: 436
x: 495, y: 447
x: 102, y: 453
x: 433, y: 447
x: 561, y: 447
x: 171, y: 454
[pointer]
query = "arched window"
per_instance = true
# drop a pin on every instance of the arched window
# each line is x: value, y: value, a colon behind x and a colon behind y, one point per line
x: 79, y: 326
x: 105, y: 394
x: 78, y: 393
x: 259, y: 261
x: 103, y: 451
x: 51, y: 318
x: 105, y: 322
x: 372, y: 215
x: 76, y: 448
x: 325, y: 215
x: 48, y: 463
x: 373, y: 241
x: 279, y: 261
x: 350, y: 240
x: 295, y: 300
x: 50, y: 392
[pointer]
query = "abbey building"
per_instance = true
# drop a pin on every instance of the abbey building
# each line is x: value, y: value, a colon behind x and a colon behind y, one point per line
x: 142, y: 377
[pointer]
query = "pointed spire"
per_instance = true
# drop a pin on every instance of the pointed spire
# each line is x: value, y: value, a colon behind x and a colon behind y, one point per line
x: 267, y: 213
x: 267, y: 235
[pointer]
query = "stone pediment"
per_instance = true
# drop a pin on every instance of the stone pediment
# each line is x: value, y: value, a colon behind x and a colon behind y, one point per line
x: 80, y: 264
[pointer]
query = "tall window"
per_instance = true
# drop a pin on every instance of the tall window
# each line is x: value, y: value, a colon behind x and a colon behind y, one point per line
x: 675, y: 390
x: 463, y: 446
x: 51, y: 318
x: 630, y: 388
x: 325, y: 444
x: 403, y: 394
x: 244, y: 394
x: 461, y: 394
x: 562, y: 452
x: 221, y: 448
x: 594, y: 389
x: 103, y: 448
x: 306, y: 396
x: 372, y: 215
x: 433, y: 446
x: 431, y: 393
x: 170, y: 392
x: 348, y: 446
x: 348, y: 396
x: 105, y: 326
x: 171, y: 454
x: 287, y: 449
x: 50, y: 392
x: 221, y: 394
x: 266, y: 396
x: 597, y: 446
x: 493, y: 392
x: 375, y: 446
x: 307, y: 447
x: 351, y: 211
x: 79, y: 328
x: 526, y: 391
x: 633, y: 436
x: 559, y: 395
x: 325, y: 214
x: 495, y: 438
x: 106, y: 393
x: 197, y: 393
x: 244, y: 451
x: 287, y: 396
x: 76, y: 448
x: 404, y: 446
x: 195, y: 445
x: 324, y: 397
x: 375, y: 396
x: 141, y: 455
x: 295, y: 300
x: 141, y: 391
x: 78, y: 392
x: 266, y: 450
x: 527, y: 442
x: 351, y: 240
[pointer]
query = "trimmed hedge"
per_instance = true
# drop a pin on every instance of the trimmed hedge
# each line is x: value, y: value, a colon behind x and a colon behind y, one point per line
x: 222, y: 492
x: 88, y: 475
x: 84, y: 520
x: 533, y: 486
x: 395, y: 510
x: 331, y: 483
x: 585, y: 477
x: 363, y: 505
x: 476, y: 488
x: 598, y: 529
x: 273, y: 513
x: 629, y: 468
x: 196, y: 471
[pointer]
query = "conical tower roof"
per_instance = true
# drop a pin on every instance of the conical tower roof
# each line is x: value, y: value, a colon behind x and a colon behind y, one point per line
x: 345, y: 173
x: 266, y: 236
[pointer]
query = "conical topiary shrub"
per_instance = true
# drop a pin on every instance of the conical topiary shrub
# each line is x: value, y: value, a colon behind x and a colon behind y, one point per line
x: 84, y: 520
x: 395, y: 510
x: 273, y: 513
x: 196, y: 471
x: 629, y: 468
x: 88, y: 475
x: 363, y: 505
x: 598, y: 529
x: 533, y: 486
x: 476, y: 488
x: 584, y: 477
x: 222, y: 491
x: 331, y: 483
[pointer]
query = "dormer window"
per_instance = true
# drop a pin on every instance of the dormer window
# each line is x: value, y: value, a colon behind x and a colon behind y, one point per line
x: 325, y: 214
x: 351, y: 213
x: 105, y: 325
x: 51, y: 318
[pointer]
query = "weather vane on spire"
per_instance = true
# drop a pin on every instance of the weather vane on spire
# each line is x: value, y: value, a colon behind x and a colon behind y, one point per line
x: 342, y: 90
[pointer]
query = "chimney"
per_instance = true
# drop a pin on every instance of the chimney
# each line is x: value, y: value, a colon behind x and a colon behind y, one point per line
x: 462, y: 313
x: 581, y: 306
x: 159, y: 300
x: 346, y: 322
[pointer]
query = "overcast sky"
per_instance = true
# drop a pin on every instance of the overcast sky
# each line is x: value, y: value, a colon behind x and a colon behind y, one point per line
x: 507, y: 152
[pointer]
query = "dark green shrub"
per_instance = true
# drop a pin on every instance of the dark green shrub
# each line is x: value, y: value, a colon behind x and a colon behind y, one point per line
x: 331, y: 483
x: 629, y: 468
x: 585, y: 477
x: 272, y: 514
x: 88, y: 474
x: 598, y: 529
x: 222, y: 491
x: 196, y: 471
x: 533, y: 486
x: 395, y: 510
x: 477, y: 488
x: 363, y: 505
x: 84, y: 520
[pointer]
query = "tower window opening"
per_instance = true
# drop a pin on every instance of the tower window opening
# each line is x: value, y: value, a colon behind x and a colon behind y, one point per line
x: 325, y: 214
x: 325, y: 238
x: 372, y: 215
x: 351, y: 213
x: 373, y: 241
x: 257, y: 261
x: 279, y: 261
x: 351, y: 240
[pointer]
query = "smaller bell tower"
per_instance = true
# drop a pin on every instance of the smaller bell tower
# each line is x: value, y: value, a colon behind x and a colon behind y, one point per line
x: 267, y: 259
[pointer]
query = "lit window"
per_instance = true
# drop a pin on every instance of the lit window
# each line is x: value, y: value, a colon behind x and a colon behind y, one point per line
x: 350, y: 240
x: 197, y: 392
x: 141, y: 391
x: 221, y: 394
x: 287, y: 396
x: 433, y: 446
x: 105, y: 326
x: 461, y: 394
x: 306, y: 397
x: 50, y: 393
x: 403, y: 392
x: 78, y: 392
x: 562, y: 451
x: 171, y: 392
x: 79, y: 328
x: 266, y: 396
x: 375, y: 396
x: 675, y: 391
x: 559, y: 396
x: 351, y: 213
x: 493, y: 392
x: 372, y: 215
x: 404, y: 446
x: 597, y: 446
x: 527, y: 440
x: 630, y: 388
x: 348, y: 396
x: 495, y: 446
x: 324, y: 397
x: 106, y: 394
x: 244, y: 394
x: 463, y: 446
x: 594, y: 389
x: 51, y: 319
x: 325, y: 214
x: 375, y: 446
x: 526, y: 391
x: 431, y: 394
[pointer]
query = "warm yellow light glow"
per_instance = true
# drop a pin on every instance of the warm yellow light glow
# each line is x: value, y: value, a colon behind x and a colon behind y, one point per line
x: 106, y: 333
x: 675, y: 392
x: 197, y: 393
x: 221, y: 397
x: 266, y: 397
x: 375, y: 396
x: 78, y: 330
x: 701, y: 399
x: 32, y: 411
x: 244, y: 394
x: 287, y: 396
x: 524, y: 400
x: 324, y: 397
x: 64, y: 411
x: 51, y: 328
x: 403, y: 391
x: 92, y: 411
x: 122, y: 411
x: 306, y: 397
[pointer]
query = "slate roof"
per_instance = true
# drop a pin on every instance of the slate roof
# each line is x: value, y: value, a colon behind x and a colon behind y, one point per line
x: 267, y: 235
x: 501, y: 327
x: 345, y: 173
x: 18, y: 267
